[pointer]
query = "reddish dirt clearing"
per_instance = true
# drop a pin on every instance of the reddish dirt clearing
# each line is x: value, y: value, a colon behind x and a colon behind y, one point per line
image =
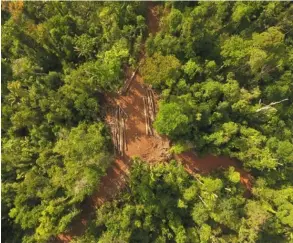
x: 204, y: 165
x: 149, y: 148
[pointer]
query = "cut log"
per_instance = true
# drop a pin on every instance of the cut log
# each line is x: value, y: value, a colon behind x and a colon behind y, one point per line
x: 121, y: 137
x: 198, y: 180
x: 123, y: 134
x: 145, y: 115
x: 122, y: 111
x: 203, y: 201
x: 153, y: 100
x: 116, y: 131
x: 150, y: 107
x: 128, y: 83
x: 117, y: 140
x: 113, y: 136
x: 270, y: 105
x: 150, y: 127
x: 151, y: 104
x: 125, y: 140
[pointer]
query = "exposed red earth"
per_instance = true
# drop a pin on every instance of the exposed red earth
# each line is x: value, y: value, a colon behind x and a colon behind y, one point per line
x: 204, y: 165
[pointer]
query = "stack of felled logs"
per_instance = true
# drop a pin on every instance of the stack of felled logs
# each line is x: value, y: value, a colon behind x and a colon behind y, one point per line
x: 149, y: 111
x: 119, y: 135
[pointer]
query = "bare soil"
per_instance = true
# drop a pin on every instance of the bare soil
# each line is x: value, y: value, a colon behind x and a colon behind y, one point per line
x: 153, y: 21
x: 204, y: 165
x: 149, y: 148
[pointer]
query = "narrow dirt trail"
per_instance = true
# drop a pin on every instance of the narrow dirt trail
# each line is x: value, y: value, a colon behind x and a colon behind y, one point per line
x: 153, y: 21
x: 150, y: 148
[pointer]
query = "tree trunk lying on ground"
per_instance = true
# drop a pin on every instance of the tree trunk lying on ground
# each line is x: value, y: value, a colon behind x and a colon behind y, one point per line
x: 270, y: 105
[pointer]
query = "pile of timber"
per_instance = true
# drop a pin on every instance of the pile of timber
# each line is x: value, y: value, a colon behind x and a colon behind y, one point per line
x: 149, y: 111
x: 119, y: 135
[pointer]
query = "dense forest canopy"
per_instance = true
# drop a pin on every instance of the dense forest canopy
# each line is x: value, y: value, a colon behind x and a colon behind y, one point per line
x: 225, y: 77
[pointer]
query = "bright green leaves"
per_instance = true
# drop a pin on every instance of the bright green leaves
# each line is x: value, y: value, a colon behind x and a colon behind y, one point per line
x: 233, y: 175
x: 273, y: 211
x: 285, y: 151
x: 278, y: 202
x: 252, y: 225
x: 205, y: 233
x: 158, y: 69
x: 264, y: 53
x: 86, y: 45
x: 174, y: 20
x: 231, y: 90
x: 85, y: 157
x: 171, y: 120
x: 248, y: 68
x: 211, y: 185
x: 103, y: 74
x: 109, y: 21
x: 18, y: 154
x: 285, y: 214
x: 17, y: 92
x: 225, y: 134
x: 180, y: 147
x: 190, y: 193
x: 51, y: 222
x: 241, y: 10
x: 191, y: 69
x: 234, y: 51
x: 200, y: 213
x: 23, y: 68
x: 271, y: 39
x: 236, y: 57
x: 268, y: 51
x: 257, y: 60
x: 85, y: 144
x: 210, y: 90
x: 252, y: 150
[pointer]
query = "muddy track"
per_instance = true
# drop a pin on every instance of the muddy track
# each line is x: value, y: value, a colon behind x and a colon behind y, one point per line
x: 151, y: 148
